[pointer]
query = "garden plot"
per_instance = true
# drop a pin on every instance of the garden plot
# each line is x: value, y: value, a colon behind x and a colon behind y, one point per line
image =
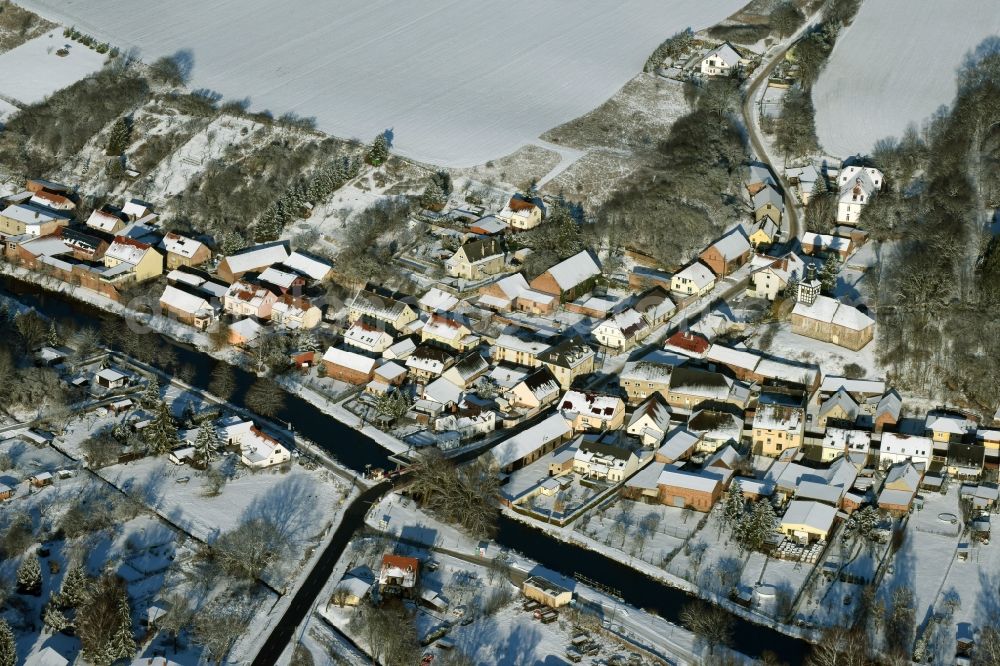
x: 895, y: 65
x: 456, y: 82
x: 33, y: 71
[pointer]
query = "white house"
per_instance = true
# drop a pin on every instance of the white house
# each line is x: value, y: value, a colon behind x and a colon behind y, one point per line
x: 604, y: 462
x: 650, y: 421
x: 622, y: 331
x: 696, y: 279
x: 368, y: 338
x: 898, y: 448
x: 257, y: 450
x: 723, y: 60
x: 857, y: 187
x: 770, y: 276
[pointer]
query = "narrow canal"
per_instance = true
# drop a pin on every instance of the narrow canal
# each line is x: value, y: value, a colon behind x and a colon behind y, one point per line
x: 355, y: 450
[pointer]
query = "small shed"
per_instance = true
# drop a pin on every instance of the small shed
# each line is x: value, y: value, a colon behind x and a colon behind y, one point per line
x: 181, y: 455
x: 110, y: 378
x: 545, y: 591
x: 41, y: 480
x: 6, y: 492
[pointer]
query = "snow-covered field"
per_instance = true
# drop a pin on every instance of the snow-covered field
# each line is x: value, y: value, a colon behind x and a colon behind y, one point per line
x: 33, y: 71
x: 458, y: 82
x: 894, y: 66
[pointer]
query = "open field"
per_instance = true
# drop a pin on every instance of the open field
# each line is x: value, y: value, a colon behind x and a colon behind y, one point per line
x: 33, y: 71
x: 454, y: 96
x: 895, y: 65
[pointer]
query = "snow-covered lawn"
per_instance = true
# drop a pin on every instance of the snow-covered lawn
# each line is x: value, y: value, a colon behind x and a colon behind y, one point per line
x: 831, y: 358
x: 459, y: 83
x: 895, y: 65
x: 32, y: 71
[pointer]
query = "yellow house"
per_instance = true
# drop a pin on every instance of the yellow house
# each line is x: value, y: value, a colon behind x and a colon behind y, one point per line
x: 18, y: 219
x: 948, y: 427
x: 520, y: 214
x: 545, y: 591
x: 380, y: 308
x: 765, y: 233
x: 568, y: 360
x: 807, y: 521
x: 777, y: 427
x: 449, y: 332
x: 140, y: 259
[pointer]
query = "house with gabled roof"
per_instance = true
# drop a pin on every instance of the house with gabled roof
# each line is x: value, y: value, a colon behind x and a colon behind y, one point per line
x: 31, y: 220
x: 727, y: 254
x: 829, y: 320
x: 529, y: 445
x: 858, y: 185
x: 89, y: 245
x: 535, y: 391
x: 246, y: 299
x: 688, y: 490
x: 368, y: 337
x: 187, y: 306
x: 768, y: 203
x: 902, y: 481
x: 295, y: 312
x: 690, y: 386
x: 568, y: 359
x: 723, y: 60
x: 600, y: 460
x: 687, y: 343
x: 679, y: 444
x: 570, y: 278
x: 518, y: 348
x: 655, y: 305
x: 898, y: 447
x: 622, y: 331
x: 592, y: 411
x: 467, y: 370
x: 141, y: 260
x: 717, y: 425
x: 520, y: 214
x: 448, y: 331
x: 380, y: 308
x: 778, y: 424
x: 252, y: 259
x: 108, y: 219
x: 184, y: 251
x: 771, y: 275
x: 808, y: 521
x: 694, y: 280
x: 477, y: 259
x: 649, y: 375
x: 650, y: 421
x: 427, y: 362
x: 438, y: 300
x: 840, y: 408
x: 887, y: 410
x: 502, y: 295
x: 764, y: 233
x: 314, y: 268
x: 348, y: 366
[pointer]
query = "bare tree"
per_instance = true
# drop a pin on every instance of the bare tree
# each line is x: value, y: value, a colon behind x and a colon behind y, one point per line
x: 247, y: 550
x: 265, y: 397
x: 464, y: 495
x: 710, y: 623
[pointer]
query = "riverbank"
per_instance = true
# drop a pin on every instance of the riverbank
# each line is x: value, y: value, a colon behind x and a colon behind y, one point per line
x: 569, y: 535
x: 186, y: 335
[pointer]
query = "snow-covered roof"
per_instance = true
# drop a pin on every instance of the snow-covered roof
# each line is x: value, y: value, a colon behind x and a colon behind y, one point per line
x: 826, y: 241
x: 110, y: 375
x: 843, y: 439
x: 697, y: 273
x: 252, y: 294
x: 520, y: 445
x: 366, y: 336
x: 814, y: 515
x: 45, y: 246
x: 840, y: 399
x: 179, y: 299
x: 677, y: 444
x: 953, y: 425
x: 248, y: 329
x: 442, y: 391
x: 906, y: 445
x: 777, y: 417
x: 657, y: 366
x: 697, y: 481
x: 349, y: 360
x: 832, y: 383
x: 603, y: 407
x: 104, y: 221
x: 127, y: 250
x: 257, y: 257
x: 377, y: 306
x: 31, y: 215
x: 444, y: 328
x: 278, y: 278
x: 627, y: 322
x: 726, y: 53
x: 903, y: 473
x: 135, y: 208
x: 400, y: 349
x: 766, y: 196
x: 181, y: 245
x: 390, y: 370
x: 517, y: 343
x: 732, y: 245
x: 745, y: 359
x: 311, y: 267
x: 821, y: 492
x: 438, y: 300
x: 830, y: 310
x: 512, y: 286
x: 654, y: 409
x: 575, y: 270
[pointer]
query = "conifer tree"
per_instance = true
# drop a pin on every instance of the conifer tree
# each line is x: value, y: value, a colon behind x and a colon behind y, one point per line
x: 53, y: 618
x: 54, y: 340
x: 150, y: 396
x: 29, y: 575
x: 73, y: 592
x: 161, y: 434
x: 8, y: 649
x: 733, y: 507
x: 122, y: 643
x: 378, y: 153
x: 207, y: 443
x: 118, y: 139
x: 828, y: 276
